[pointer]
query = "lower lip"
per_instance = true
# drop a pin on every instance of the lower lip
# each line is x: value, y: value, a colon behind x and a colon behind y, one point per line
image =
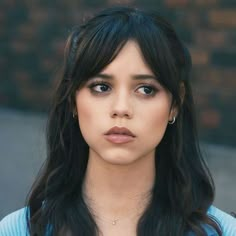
x: 119, y: 138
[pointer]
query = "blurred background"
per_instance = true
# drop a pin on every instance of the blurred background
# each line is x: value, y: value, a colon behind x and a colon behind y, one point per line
x: 32, y: 40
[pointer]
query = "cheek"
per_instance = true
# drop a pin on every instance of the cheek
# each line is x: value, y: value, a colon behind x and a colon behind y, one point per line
x: 88, y: 116
x: 158, y: 123
x: 156, y: 120
x: 84, y: 105
x: 83, y: 112
x: 156, y: 114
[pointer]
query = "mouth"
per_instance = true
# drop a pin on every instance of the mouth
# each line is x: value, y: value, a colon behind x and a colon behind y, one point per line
x: 119, y: 135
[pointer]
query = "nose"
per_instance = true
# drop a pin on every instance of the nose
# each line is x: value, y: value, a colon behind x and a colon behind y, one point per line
x: 122, y: 106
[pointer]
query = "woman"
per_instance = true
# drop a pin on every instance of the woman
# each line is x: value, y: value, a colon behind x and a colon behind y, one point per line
x: 123, y: 155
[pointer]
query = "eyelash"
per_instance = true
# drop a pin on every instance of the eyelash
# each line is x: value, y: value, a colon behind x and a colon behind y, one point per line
x: 92, y: 86
x: 98, y: 83
x: 154, y: 90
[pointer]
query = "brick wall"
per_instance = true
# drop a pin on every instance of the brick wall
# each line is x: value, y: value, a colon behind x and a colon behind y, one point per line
x: 33, y: 33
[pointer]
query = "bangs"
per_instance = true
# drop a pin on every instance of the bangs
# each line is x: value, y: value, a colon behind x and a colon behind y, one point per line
x: 99, y: 44
x: 102, y: 38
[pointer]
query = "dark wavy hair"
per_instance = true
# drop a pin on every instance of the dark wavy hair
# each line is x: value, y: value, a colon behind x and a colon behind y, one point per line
x: 183, y: 189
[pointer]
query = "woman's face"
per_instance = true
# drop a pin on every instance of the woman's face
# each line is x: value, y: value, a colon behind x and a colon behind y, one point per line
x: 123, y: 111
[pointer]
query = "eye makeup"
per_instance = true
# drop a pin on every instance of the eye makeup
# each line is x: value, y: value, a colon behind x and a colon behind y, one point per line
x: 146, y: 87
x: 98, y: 86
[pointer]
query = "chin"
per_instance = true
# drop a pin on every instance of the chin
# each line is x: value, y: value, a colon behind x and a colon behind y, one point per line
x: 117, y: 161
x: 118, y: 157
x: 120, y: 160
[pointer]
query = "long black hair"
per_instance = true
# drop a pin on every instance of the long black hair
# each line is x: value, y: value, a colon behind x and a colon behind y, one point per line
x: 183, y: 189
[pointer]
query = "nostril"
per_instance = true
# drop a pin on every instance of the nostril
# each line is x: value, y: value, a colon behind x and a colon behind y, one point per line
x: 122, y: 114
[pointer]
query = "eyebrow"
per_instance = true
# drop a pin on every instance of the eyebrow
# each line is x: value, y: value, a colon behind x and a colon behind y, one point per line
x: 135, y: 77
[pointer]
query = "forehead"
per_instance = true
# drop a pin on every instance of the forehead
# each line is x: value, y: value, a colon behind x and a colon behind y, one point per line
x: 129, y: 60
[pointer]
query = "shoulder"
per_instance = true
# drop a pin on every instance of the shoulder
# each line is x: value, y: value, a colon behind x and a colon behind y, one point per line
x: 14, y: 224
x: 226, y: 222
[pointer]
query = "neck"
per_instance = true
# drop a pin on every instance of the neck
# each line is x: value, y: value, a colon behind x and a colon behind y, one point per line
x: 117, y: 190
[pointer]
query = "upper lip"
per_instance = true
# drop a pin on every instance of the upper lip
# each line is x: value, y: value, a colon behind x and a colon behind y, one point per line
x: 120, y: 130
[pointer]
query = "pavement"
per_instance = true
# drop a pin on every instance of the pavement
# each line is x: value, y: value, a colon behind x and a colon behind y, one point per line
x: 22, y: 152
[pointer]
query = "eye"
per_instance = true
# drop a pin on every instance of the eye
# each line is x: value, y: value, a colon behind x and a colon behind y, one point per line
x: 99, y: 87
x: 147, y: 90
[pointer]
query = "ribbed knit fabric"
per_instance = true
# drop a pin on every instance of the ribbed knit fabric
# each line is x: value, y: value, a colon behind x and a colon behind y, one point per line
x: 15, y: 223
x: 226, y: 221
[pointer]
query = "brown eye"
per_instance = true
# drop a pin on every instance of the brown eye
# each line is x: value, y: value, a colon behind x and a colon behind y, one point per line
x: 147, y: 90
x: 99, y: 88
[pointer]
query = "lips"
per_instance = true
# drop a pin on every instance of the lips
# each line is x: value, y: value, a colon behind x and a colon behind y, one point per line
x: 119, y: 135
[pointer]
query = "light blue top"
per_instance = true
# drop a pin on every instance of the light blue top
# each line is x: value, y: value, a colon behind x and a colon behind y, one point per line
x: 15, y: 223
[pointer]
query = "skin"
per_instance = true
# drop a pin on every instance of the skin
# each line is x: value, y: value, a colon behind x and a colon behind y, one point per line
x: 124, y: 94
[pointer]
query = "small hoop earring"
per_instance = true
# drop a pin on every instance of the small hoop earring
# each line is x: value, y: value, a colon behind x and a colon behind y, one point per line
x: 172, y: 121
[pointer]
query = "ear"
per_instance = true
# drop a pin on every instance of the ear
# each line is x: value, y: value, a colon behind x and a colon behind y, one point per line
x: 174, y: 107
x: 173, y: 112
x: 74, y: 112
